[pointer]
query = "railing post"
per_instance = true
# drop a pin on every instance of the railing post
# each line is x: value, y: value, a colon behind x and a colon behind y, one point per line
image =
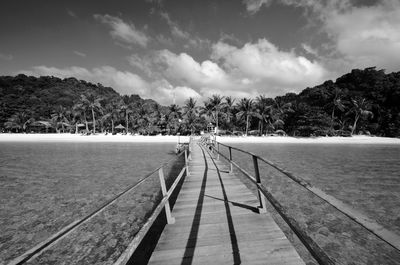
x: 186, y: 162
x: 170, y: 219
x: 217, y: 150
x: 262, y: 208
x: 190, y: 150
x: 230, y: 159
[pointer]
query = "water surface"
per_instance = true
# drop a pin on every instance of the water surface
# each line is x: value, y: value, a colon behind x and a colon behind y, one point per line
x: 46, y: 186
x: 367, y: 177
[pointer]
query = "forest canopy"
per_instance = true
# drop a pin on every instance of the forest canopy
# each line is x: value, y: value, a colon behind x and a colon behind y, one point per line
x: 360, y: 102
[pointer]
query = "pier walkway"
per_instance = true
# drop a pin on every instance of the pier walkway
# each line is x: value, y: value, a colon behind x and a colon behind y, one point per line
x: 217, y: 221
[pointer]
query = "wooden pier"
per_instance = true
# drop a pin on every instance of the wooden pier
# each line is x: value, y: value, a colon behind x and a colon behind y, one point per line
x: 216, y: 220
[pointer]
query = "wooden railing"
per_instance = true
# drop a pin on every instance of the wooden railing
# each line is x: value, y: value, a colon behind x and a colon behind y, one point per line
x: 164, y: 204
x: 320, y: 256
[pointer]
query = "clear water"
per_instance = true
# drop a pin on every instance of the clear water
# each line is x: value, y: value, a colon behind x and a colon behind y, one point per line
x: 46, y: 186
x: 367, y: 177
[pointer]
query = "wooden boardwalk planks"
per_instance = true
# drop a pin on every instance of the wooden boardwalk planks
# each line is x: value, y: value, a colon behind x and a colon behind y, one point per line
x: 217, y: 222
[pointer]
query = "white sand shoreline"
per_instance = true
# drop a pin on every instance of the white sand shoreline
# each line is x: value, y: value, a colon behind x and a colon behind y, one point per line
x: 7, y: 137
x: 358, y: 139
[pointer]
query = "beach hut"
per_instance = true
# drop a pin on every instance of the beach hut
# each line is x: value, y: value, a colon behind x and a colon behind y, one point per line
x: 120, y: 127
x: 78, y: 125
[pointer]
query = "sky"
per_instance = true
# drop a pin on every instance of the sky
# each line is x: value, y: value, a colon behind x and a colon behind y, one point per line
x: 170, y: 50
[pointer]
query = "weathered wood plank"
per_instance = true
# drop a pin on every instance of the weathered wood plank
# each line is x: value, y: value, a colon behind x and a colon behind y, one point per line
x: 217, y: 222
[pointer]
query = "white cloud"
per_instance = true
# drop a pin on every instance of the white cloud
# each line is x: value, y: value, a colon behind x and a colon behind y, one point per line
x: 174, y: 27
x: 253, y: 6
x: 309, y: 49
x: 122, y: 31
x: 264, y: 63
x: 179, y: 33
x: 71, y: 13
x: 184, y: 69
x: 362, y: 35
x: 256, y: 68
x: 122, y: 81
x: 368, y: 36
x: 167, y: 94
x: 81, y: 54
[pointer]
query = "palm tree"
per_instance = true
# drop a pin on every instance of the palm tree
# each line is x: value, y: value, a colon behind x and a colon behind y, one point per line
x: 228, y: 110
x: 155, y: 114
x: 360, y: 109
x: 279, y: 111
x: 60, y: 117
x: 19, y: 121
x: 174, y: 117
x: 216, y: 105
x: 263, y: 111
x: 190, y: 107
x: 207, y: 110
x: 246, y: 110
x: 155, y: 118
x: 93, y: 103
x: 141, y: 117
x: 79, y: 112
x: 337, y: 103
x: 112, y: 111
x: 126, y: 109
x: 190, y: 113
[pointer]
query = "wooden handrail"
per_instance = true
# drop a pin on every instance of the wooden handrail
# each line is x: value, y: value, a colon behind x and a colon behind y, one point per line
x: 315, y: 250
x: 322, y: 258
x: 384, y: 234
x: 69, y: 228
x: 125, y: 256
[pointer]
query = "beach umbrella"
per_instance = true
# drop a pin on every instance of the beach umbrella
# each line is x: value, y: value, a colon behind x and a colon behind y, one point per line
x: 66, y: 124
x: 119, y: 126
x: 42, y: 123
x: 280, y: 132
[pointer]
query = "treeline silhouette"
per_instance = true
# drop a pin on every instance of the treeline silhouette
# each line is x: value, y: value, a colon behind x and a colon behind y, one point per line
x: 362, y: 101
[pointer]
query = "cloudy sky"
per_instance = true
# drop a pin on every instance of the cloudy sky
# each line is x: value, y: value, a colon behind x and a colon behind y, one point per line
x: 174, y: 49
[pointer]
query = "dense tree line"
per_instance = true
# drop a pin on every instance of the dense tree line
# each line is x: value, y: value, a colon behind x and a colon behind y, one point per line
x: 363, y: 101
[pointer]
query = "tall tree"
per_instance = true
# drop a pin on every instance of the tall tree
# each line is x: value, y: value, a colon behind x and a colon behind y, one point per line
x: 246, y: 110
x: 59, y: 117
x: 337, y: 102
x: 216, y: 105
x: 126, y: 109
x: 263, y: 107
x: 279, y: 112
x: 360, y: 109
x: 228, y: 111
x: 19, y: 121
x: 79, y: 109
x: 174, y: 117
x: 155, y: 115
x: 112, y: 111
x: 141, y: 117
x: 92, y: 102
x: 190, y: 114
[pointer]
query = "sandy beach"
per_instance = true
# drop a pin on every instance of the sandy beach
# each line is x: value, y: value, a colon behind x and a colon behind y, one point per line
x: 359, y: 139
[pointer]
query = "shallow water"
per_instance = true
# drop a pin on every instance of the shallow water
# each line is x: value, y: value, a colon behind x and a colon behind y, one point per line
x: 46, y: 186
x: 367, y: 177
